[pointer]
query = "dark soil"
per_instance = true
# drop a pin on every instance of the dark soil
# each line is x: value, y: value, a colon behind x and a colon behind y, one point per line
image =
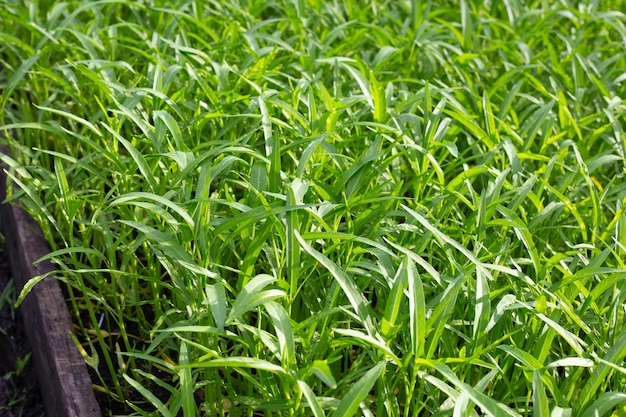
x: 19, y: 391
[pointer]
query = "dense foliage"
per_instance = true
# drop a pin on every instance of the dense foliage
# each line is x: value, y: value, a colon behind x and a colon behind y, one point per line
x: 307, y: 207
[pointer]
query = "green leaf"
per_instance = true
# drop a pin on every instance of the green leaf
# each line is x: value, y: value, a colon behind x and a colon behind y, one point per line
x: 311, y: 399
x: 379, y: 99
x: 605, y: 403
x: 350, y: 402
x: 441, y: 236
x: 394, y: 300
x: 72, y: 116
x: 574, y: 341
x: 322, y: 371
x: 417, y: 308
x: 524, y: 357
x: 186, y: 381
x: 18, y: 76
x: 252, y: 295
x: 356, y: 298
x: 284, y: 332
x: 172, y: 126
x: 488, y: 405
x: 137, y: 157
x: 130, y: 198
x: 28, y: 287
x: 599, y: 376
x: 152, y: 399
x: 240, y: 362
x: 216, y: 299
x: 541, y: 407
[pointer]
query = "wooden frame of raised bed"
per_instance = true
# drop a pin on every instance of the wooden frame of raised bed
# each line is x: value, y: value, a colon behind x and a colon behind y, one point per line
x: 62, y: 374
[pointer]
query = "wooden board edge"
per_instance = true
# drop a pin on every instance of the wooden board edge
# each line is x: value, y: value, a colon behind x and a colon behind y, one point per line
x: 63, y: 378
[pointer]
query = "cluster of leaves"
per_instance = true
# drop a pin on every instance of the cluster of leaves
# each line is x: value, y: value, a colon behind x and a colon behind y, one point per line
x: 315, y: 207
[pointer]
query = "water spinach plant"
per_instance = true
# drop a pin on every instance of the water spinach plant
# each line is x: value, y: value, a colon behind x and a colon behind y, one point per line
x: 330, y: 208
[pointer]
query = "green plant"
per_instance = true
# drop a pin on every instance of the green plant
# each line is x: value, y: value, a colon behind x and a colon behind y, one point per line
x: 331, y: 208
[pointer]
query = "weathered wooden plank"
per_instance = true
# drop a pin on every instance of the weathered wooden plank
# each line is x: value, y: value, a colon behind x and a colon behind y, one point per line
x: 65, y: 383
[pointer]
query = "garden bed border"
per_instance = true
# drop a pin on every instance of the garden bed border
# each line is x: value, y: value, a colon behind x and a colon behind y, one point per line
x: 62, y: 374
